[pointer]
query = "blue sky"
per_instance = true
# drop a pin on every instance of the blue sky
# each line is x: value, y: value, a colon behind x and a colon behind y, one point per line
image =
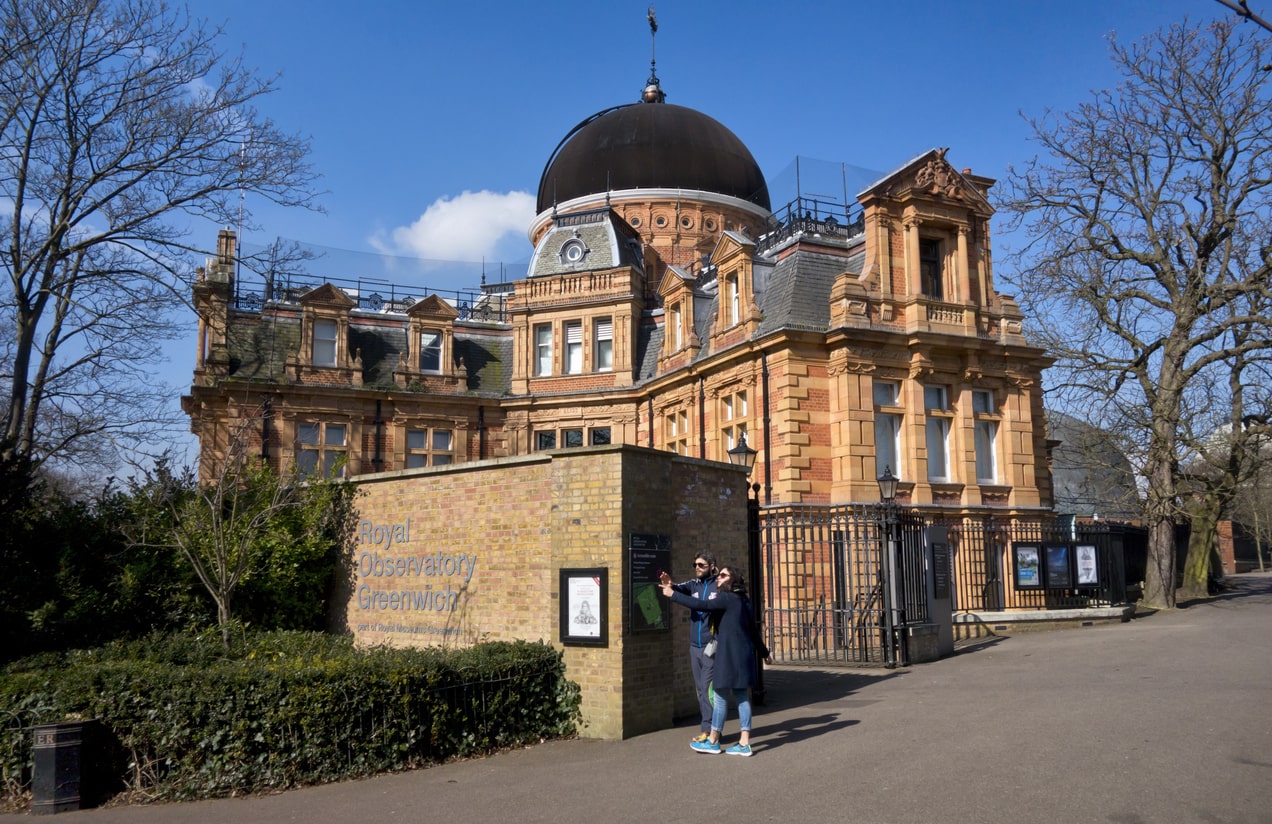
x: 431, y: 122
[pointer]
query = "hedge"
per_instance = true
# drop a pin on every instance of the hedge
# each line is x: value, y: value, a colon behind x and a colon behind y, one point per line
x: 183, y: 719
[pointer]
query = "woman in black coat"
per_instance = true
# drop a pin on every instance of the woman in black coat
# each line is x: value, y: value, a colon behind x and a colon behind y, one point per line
x: 736, y: 646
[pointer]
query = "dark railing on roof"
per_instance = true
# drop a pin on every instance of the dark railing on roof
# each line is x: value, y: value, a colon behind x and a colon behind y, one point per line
x: 809, y: 215
x: 488, y: 303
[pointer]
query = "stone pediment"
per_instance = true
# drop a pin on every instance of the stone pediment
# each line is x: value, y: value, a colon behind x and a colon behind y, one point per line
x: 730, y: 244
x: 674, y: 278
x: 327, y: 295
x: 930, y: 177
x: 433, y: 307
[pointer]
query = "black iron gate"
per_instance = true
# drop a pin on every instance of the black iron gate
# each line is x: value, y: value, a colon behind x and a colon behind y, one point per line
x: 841, y: 583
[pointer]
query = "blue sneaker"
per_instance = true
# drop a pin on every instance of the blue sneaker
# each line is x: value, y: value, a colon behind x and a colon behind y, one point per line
x: 705, y: 746
x: 743, y: 750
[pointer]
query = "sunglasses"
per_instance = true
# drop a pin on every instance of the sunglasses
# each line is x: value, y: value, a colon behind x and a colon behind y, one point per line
x: 700, y: 565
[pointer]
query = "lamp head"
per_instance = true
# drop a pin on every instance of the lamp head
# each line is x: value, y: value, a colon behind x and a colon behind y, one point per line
x: 888, y: 485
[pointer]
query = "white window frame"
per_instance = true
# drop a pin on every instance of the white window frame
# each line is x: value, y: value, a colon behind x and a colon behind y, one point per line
x: 603, y: 344
x: 431, y: 350
x: 887, y: 427
x: 326, y: 338
x: 986, y: 436
x: 543, y: 349
x: 936, y: 400
x: 573, y: 347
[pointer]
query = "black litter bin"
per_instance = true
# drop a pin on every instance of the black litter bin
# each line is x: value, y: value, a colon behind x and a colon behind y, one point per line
x: 57, y: 777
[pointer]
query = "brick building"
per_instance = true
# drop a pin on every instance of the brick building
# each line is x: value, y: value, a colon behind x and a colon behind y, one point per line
x: 667, y: 305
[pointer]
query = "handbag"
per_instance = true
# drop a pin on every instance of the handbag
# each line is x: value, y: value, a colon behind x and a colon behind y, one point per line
x: 710, y: 648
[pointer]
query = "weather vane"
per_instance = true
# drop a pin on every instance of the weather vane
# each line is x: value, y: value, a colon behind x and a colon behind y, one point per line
x: 653, y: 93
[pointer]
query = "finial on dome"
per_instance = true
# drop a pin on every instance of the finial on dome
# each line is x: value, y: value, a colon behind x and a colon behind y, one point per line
x: 652, y: 93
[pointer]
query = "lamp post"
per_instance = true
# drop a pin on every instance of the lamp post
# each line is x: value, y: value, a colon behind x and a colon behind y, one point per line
x: 744, y: 456
x: 888, y: 498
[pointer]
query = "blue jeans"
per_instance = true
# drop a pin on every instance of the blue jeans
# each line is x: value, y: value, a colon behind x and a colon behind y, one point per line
x: 721, y: 709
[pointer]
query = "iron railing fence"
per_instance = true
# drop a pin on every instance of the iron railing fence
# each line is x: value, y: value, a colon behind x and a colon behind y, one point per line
x: 486, y: 304
x: 984, y: 566
x: 811, y: 215
x: 828, y: 597
x: 825, y: 593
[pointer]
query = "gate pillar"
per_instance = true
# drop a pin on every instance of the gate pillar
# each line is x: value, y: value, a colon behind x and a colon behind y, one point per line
x: 935, y: 639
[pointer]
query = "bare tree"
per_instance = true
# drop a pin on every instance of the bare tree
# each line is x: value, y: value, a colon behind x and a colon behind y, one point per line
x: 1147, y: 227
x: 122, y: 122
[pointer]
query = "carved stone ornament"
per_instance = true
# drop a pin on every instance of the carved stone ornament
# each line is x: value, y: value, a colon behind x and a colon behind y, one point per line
x: 939, y: 178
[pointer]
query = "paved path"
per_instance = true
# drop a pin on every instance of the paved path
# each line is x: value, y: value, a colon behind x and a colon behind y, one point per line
x: 1164, y: 719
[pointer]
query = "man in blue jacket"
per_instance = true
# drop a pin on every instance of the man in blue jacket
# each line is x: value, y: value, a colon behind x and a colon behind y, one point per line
x: 703, y: 587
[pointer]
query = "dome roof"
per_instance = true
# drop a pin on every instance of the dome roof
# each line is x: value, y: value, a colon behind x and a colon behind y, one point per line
x: 651, y: 146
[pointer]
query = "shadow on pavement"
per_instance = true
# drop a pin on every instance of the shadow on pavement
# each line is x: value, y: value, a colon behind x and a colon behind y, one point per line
x: 790, y: 730
x: 1253, y: 585
x: 788, y: 687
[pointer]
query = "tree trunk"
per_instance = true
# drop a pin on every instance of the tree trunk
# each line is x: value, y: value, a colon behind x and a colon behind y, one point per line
x: 1258, y: 539
x: 1201, y: 542
x: 1159, y: 573
x: 223, y: 620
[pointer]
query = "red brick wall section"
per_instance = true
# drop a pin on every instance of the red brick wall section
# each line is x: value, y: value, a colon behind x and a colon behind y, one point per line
x: 451, y: 556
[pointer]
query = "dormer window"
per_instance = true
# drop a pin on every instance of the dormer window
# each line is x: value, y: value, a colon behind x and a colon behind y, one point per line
x: 431, y: 350
x: 733, y: 300
x: 325, y: 332
x: 573, y: 252
x: 431, y: 340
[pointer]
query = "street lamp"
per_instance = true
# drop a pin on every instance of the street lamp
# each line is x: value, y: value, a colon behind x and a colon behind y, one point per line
x: 743, y: 455
x: 894, y: 614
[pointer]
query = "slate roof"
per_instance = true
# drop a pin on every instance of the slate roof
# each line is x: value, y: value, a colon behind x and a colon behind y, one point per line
x: 609, y: 241
x: 381, y: 347
x: 486, y: 361
x: 649, y: 343
x: 1090, y: 475
x: 798, y: 291
x: 259, y: 347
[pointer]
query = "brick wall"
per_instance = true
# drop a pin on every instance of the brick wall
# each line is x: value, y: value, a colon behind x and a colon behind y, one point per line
x: 450, y: 556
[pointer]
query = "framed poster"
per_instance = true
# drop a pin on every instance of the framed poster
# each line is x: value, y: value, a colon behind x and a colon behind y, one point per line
x: 647, y: 556
x: 1028, y: 566
x: 585, y: 607
x: 1088, y: 570
x: 1059, y: 576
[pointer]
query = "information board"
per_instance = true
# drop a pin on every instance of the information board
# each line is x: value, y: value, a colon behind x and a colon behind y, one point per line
x: 648, y: 556
x: 940, y: 569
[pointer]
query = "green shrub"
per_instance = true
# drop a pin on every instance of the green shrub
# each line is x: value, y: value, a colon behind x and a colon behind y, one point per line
x: 191, y: 720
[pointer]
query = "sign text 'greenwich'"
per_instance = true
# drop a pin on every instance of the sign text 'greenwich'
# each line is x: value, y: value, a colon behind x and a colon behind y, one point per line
x: 377, y: 538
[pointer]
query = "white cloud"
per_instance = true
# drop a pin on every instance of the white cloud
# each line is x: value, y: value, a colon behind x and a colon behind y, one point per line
x: 467, y: 227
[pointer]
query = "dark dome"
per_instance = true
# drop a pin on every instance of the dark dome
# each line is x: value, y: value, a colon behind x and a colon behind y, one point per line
x: 651, y: 146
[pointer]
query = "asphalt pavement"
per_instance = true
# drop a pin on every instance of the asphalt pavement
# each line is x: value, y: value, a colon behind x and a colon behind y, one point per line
x: 1167, y: 718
